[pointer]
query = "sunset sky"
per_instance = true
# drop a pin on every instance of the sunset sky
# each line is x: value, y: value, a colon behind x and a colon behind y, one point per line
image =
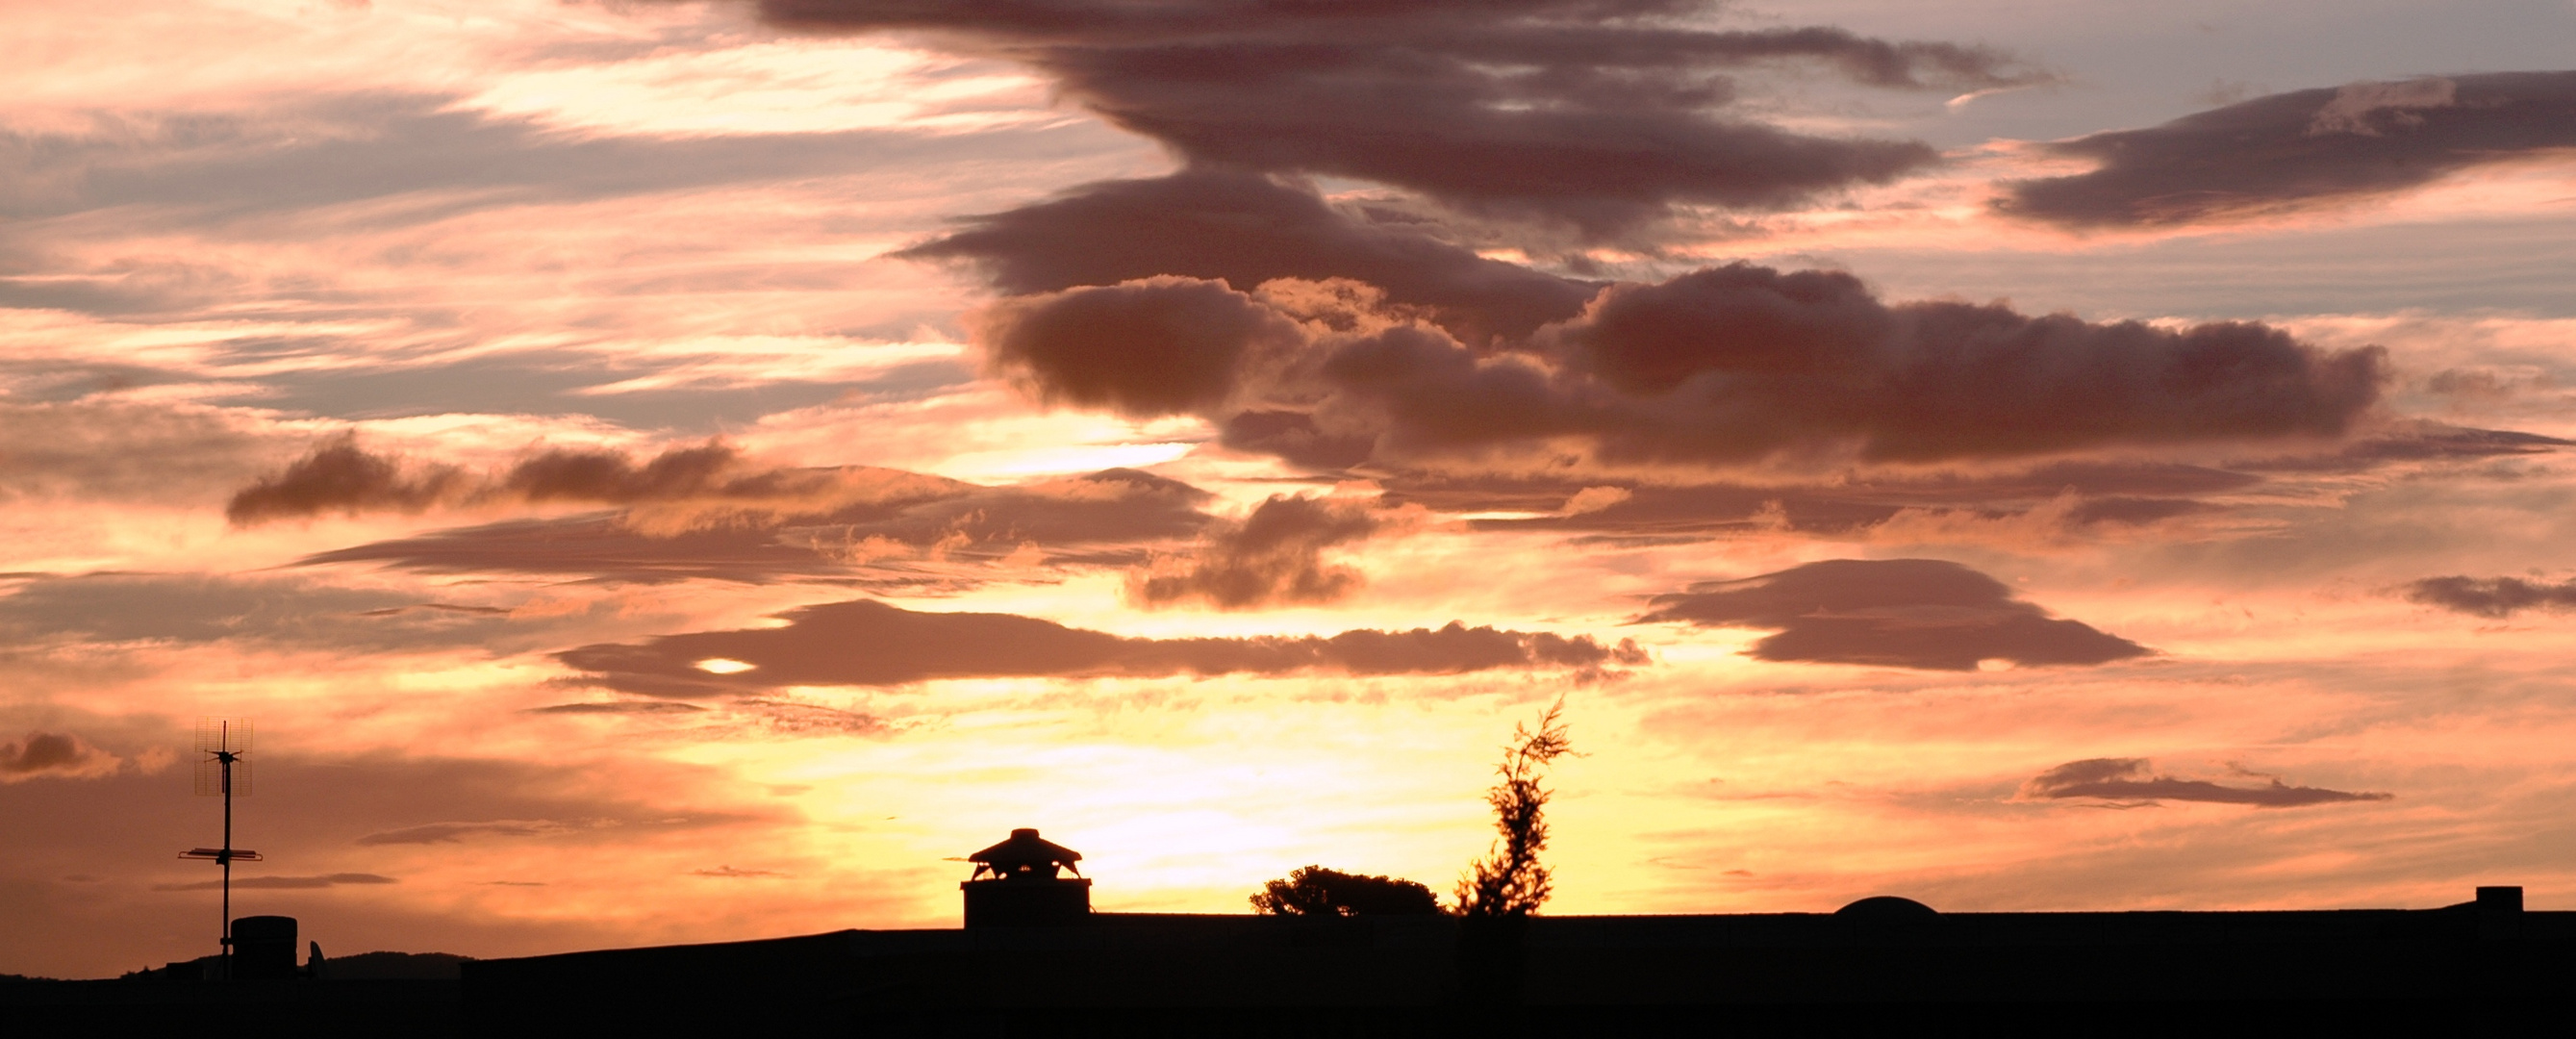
x: 667, y: 472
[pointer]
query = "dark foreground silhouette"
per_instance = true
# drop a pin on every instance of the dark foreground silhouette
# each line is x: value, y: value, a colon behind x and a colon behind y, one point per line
x: 1877, y: 965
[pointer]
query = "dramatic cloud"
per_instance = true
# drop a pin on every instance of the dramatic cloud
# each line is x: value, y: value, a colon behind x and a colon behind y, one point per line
x: 1245, y: 229
x: 865, y: 642
x: 1157, y: 346
x: 825, y: 523
x: 1728, y: 365
x: 2302, y: 149
x: 1601, y: 113
x: 1921, y: 613
x: 2130, y: 780
x: 327, y: 880
x: 1273, y: 556
x: 2497, y: 597
x: 53, y: 754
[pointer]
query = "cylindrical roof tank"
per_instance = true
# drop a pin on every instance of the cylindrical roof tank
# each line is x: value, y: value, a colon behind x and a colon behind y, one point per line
x: 263, y: 947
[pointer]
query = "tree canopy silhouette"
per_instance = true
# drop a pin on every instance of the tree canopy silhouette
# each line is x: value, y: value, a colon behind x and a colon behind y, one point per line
x: 1316, y: 891
x: 1508, y: 881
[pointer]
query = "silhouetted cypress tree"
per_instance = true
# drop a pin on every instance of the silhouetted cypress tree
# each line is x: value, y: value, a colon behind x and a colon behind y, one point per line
x: 1500, y: 890
x: 1509, y: 881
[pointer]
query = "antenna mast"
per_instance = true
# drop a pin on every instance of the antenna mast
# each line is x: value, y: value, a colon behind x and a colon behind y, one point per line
x: 223, y: 768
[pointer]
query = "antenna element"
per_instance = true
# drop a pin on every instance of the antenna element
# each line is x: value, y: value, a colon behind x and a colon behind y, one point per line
x: 223, y: 769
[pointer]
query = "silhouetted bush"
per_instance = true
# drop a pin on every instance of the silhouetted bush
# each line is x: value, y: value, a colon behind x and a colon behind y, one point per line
x: 1508, y: 881
x: 1316, y: 891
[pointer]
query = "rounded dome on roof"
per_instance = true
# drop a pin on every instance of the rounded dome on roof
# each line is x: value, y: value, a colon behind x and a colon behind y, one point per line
x: 1887, y: 907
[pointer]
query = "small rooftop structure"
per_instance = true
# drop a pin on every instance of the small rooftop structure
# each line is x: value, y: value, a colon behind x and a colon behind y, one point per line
x: 1025, y: 855
x: 1017, y: 884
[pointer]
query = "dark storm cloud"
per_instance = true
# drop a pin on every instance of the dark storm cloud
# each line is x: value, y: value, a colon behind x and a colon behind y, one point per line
x: 1245, y: 229
x: 1921, y: 613
x: 276, y: 883
x: 2130, y: 780
x: 1598, y: 113
x: 865, y: 642
x: 57, y: 754
x: 1275, y: 555
x: 1725, y: 365
x: 2497, y: 597
x: 881, y: 519
x: 2302, y: 149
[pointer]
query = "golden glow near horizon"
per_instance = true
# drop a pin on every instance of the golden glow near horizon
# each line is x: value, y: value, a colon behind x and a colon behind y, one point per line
x: 582, y: 429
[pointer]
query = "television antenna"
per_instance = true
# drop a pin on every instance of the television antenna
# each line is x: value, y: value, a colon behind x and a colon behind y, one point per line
x: 223, y: 768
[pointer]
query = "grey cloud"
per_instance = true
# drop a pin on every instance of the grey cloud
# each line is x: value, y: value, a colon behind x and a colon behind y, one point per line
x: 213, y: 168
x: 1719, y: 366
x: 105, y: 448
x: 1594, y: 113
x: 1918, y: 613
x: 1156, y: 346
x: 57, y: 754
x: 452, y: 833
x: 869, y: 526
x: 285, y: 611
x: 597, y: 548
x: 1244, y: 229
x: 865, y: 642
x: 2303, y: 149
x: 619, y: 707
x: 1273, y: 555
x: 326, y: 880
x: 729, y: 872
x: 2106, y: 492
x: 2495, y: 597
x: 2131, y: 780
x: 338, y: 476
